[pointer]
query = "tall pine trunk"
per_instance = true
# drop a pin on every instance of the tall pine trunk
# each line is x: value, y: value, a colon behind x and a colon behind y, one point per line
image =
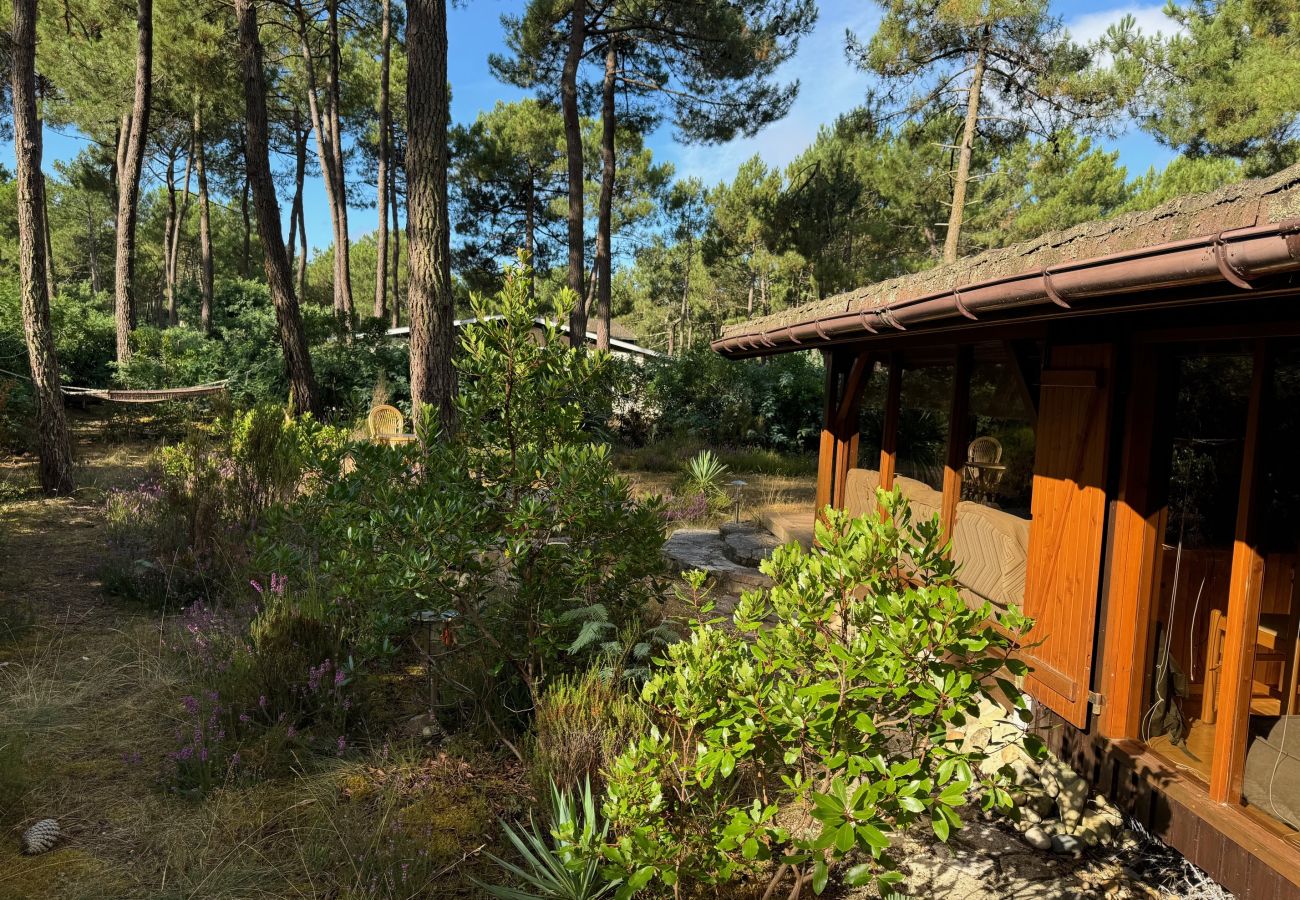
x: 299, y: 181
x: 342, y: 242
x: 128, y: 193
x: 328, y: 164
x: 604, y: 225
x: 397, y: 245
x: 381, y: 235
x: 53, y: 444
x: 573, y: 148
x: 169, y: 226
x: 205, y: 227
x: 951, y: 244
x: 430, y: 308
x: 293, y: 340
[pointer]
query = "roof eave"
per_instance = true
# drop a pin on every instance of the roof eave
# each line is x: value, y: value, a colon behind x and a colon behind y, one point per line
x: 1234, y: 258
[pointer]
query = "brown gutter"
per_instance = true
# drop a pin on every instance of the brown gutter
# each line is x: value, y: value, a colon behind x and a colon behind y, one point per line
x: 1236, y: 257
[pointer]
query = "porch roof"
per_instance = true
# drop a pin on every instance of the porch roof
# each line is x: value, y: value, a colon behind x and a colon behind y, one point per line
x: 1223, y: 243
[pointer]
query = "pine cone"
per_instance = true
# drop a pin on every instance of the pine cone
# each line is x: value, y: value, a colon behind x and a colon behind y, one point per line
x: 41, y: 836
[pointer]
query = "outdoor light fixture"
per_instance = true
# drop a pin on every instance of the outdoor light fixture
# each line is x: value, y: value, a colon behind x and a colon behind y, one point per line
x: 737, y: 494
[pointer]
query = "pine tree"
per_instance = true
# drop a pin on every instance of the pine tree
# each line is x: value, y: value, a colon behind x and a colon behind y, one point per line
x: 1224, y: 82
x: 432, y: 309
x: 1006, y: 67
x: 709, y: 66
x: 53, y: 445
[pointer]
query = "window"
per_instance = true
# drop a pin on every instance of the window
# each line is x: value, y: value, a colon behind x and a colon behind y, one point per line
x: 1270, y: 739
x: 922, y: 441
x: 990, y: 533
x: 1207, y: 397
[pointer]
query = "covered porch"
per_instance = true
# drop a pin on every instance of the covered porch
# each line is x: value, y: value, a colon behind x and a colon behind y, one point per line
x: 1103, y: 422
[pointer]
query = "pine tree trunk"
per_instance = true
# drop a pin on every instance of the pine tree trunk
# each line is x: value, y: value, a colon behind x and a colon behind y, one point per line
x: 604, y: 226
x: 381, y: 180
x: 342, y: 241
x: 397, y: 245
x: 169, y: 226
x: 205, y: 228
x: 325, y: 153
x: 573, y: 147
x: 51, y: 285
x: 303, y: 250
x: 952, y: 242
x: 132, y: 160
x: 297, y: 359
x: 178, y: 229
x: 430, y: 306
x: 299, y: 180
x: 53, y: 445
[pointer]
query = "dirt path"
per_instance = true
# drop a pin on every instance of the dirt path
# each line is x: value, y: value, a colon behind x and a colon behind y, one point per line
x: 80, y: 685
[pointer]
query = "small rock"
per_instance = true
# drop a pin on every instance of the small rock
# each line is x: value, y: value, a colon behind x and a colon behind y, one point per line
x: 1039, y: 839
x: 1066, y: 844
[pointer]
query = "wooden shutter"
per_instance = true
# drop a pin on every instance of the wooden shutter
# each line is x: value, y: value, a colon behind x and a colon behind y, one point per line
x: 1065, y: 539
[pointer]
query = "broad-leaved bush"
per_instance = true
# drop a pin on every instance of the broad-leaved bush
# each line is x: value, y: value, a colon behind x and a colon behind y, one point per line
x: 799, y: 740
x: 514, y: 532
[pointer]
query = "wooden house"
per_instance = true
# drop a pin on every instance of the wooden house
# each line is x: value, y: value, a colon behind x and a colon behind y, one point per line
x: 1107, y: 422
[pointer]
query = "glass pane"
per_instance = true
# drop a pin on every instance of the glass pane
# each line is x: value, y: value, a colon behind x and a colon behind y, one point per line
x: 923, y: 435
x: 1201, y: 465
x: 1271, y: 781
x: 860, y: 488
x: 991, y: 535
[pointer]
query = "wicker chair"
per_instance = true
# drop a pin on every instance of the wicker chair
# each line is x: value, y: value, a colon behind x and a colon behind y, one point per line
x: 984, y: 469
x: 386, y: 424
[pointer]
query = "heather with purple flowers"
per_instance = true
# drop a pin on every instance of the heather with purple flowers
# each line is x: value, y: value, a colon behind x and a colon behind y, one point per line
x: 201, y: 761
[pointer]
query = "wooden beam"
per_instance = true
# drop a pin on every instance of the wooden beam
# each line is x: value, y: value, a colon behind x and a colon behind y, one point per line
x: 1131, y: 567
x: 958, y: 414
x: 847, y: 429
x: 826, y: 453
x: 1022, y: 369
x: 889, y: 429
x: 1238, y: 666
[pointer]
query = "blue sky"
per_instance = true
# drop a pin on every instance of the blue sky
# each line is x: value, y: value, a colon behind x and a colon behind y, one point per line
x: 830, y: 86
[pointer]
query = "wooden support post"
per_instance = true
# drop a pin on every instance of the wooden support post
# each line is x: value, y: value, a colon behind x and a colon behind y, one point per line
x: 826, y: 454
x: 847, y: 429
x: 1131, y: 579
x: 889, y: 430
x: 958, y: 414
x: 1238, y: 666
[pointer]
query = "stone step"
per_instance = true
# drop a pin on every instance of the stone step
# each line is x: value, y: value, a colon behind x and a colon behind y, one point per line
x: 746, y: 544
x: 705, y: 549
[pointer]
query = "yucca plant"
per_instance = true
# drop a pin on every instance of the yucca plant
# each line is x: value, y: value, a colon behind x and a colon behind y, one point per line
x: 704, y: 474
x: 562, y: 864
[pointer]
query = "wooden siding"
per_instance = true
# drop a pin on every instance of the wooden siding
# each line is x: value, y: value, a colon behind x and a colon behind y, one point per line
x: 1065, y: 540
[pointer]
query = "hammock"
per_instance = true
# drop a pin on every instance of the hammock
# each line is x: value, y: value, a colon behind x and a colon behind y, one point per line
x: 150, y: 396
x: 144, y: 396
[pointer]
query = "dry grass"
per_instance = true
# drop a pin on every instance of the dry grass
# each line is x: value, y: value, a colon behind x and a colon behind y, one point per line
x: 763, y: 495
x: 89, y: 698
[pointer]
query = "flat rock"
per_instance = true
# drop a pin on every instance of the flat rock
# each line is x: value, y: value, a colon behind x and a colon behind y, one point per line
x: 747, y: 545
x: 705, y: 549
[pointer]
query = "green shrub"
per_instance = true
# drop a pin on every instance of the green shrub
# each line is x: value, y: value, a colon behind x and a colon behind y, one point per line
x: 582, y: 722
x: 836, y: 697
x: 517, y: 525
x: 775, y: 404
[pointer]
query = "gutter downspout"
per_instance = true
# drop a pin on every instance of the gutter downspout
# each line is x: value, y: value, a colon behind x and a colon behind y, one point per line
x: 1235, y: 257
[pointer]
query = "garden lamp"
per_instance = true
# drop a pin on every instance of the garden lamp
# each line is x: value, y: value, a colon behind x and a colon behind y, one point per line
x: 737, y: 494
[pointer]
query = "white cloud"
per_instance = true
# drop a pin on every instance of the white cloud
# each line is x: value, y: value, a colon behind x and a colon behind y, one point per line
x: 1089, y: 26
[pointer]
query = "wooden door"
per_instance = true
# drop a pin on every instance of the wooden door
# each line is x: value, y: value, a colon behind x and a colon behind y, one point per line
x: 1069, y: 514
